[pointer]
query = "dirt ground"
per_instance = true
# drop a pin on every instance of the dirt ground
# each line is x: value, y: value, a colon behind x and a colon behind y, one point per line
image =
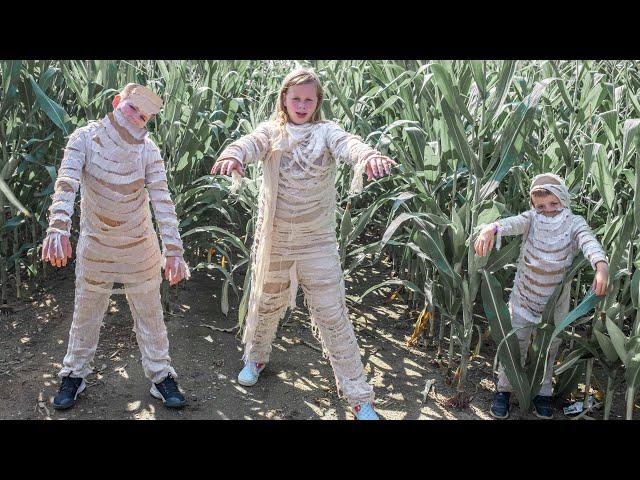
x: 297, y: 384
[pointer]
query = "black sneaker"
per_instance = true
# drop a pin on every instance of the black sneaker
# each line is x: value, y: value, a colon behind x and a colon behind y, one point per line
x: 542, y: 407
x: 69, y: 390
x: 500, y: 405
x: 168, y: 392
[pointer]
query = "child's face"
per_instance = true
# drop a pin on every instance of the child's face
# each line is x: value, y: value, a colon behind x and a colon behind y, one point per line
x: 301, y: 102
x: 131, y: 112
x: 549, y: 205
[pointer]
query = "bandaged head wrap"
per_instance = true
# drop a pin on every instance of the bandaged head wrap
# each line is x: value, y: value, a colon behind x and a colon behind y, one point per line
x: 554, y: 184
x: 145, y: 100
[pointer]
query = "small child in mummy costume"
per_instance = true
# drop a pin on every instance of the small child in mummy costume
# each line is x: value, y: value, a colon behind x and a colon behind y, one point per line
x: 296, y: 231
x: 120, y: 169
x: 553, y: 236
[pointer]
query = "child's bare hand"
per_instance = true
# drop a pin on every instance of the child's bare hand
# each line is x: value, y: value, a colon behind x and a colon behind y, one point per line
x: 484, y: 242
x: 56, y: 249
x: 174, y: 270
x: 226, y: 165
x: 601, y: 279
x: 378, y: 166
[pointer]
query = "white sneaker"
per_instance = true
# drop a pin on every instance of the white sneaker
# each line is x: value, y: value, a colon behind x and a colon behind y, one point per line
x: 365, y: 411
x: 248, y: 376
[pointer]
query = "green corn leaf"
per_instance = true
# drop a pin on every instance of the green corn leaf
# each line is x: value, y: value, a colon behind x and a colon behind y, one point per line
x: 502, y: 89
x: 507, y: 254
x: 514, y: 137
x: 500, y: 322
x: 601, y: 173
x: 618, y: 340
x: 629, y: 131
x: 606, y: 345
x: 635, y: 289
x: 6, y: 191
x: 459, y: 139
x: 53, y: 110
x: 636, y: 193
x: 405, y: 283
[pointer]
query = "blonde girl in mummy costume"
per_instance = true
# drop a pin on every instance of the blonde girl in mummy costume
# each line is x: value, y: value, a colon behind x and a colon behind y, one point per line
x: 295, y: 239
x: 553, y: 236
x: 120, y: 170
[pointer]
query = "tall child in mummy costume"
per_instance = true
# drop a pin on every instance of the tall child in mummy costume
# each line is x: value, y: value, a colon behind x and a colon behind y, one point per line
x: 295, y: 232
x: 553, y: 236
x: 120, y: 170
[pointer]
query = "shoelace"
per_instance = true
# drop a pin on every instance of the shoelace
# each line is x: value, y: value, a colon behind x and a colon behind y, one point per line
x: 170, y: 385
x: 68, y: 385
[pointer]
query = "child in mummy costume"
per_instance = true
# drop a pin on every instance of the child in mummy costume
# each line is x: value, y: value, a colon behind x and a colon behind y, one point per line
x: 295, y: 232
x: 120, y: 170
x: 553, y: 236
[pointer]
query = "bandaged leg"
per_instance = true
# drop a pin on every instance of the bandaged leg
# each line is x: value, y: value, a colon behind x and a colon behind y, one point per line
x: 562, y: 308
x: 88, y: 313
x: 524, y: 340
x: 272, y: 306
x: 323, y: 286
x: 151, y: 334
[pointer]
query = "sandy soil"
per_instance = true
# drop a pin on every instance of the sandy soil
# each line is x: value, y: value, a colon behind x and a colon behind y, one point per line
x: 297, y: 384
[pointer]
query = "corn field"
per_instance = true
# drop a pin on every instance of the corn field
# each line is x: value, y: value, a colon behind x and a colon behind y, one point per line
x: 468, y: 135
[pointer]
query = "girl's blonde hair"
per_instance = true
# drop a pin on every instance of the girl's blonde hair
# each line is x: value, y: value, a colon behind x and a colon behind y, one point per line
x: 298, y: 76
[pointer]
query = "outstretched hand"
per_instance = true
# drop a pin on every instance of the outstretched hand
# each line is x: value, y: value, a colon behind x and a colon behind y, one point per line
x: 602, y: 277
x: 174, y: 270
x: 484, y: 242
x: 378, y: 166
x: 226, y: 165
x: 56, y: 249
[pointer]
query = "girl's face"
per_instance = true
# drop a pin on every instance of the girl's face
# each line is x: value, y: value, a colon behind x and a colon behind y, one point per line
x: 300, y: 102
x: 549, y: 205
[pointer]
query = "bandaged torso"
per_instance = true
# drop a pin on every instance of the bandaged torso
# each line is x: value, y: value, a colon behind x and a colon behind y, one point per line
x: 550, y: 246
x: 304, y: 223
x: 304, y: 220
x: 114, y: 162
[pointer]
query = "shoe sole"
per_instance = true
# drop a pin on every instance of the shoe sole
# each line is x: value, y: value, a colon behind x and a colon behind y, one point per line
x: 244, y: 383
x: 155, y: 393
x: 535, y: 412
x: 365, y: 419
x: 81, y: 388
x: 247, y: 384
x: 498, y: 417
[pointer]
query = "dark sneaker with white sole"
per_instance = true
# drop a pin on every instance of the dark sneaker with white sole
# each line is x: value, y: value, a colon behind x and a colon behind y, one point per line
x: 542, y: 407
x: 500, y: 405
x: 168, y: 392
x: 69, y: 390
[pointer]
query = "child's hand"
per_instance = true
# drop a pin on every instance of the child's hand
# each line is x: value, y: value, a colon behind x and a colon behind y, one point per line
x: 56, y: 249
x: 174, y: 270
x: 602, y: 277
x: 378, y: 166
x: 484, y: 242
x: 226, y: 165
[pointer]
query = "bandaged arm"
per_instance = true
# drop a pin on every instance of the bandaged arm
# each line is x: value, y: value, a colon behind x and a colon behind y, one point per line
x: 65, y: 189
x: 249, y: 148
x: 515, y: 225
x: 587, y: 243
x: 348, y: 148
x: 163, y: 207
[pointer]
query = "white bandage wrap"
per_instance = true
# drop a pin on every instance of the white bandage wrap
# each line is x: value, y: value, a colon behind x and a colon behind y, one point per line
x: 560, y: 190
x: 550, y: 246
x: 115, y: 161
x: 295, y: 240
